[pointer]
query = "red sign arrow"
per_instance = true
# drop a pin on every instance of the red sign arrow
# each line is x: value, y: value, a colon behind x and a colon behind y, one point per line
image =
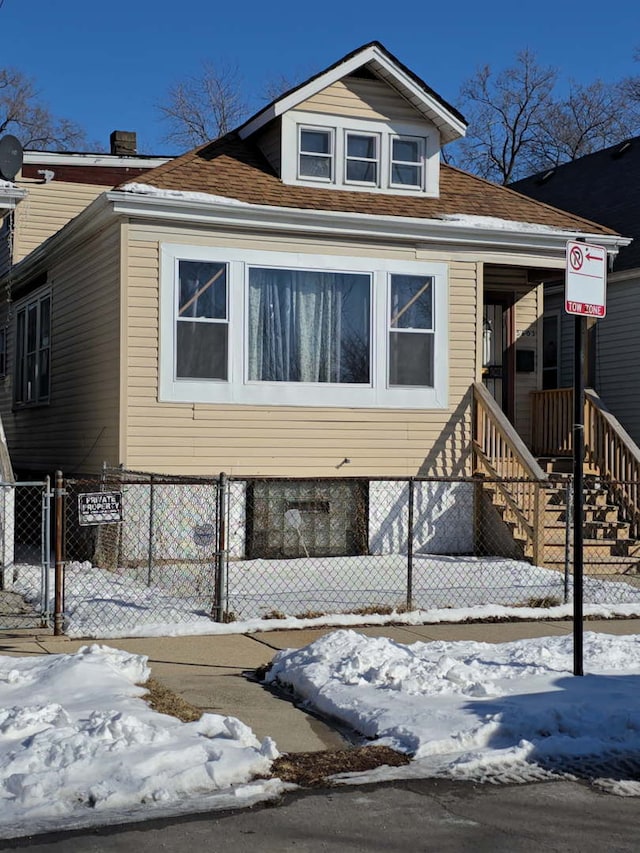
x: 593, y: 257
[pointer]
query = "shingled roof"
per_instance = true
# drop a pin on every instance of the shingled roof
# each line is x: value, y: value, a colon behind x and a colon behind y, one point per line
x: 237, y: 169
x: 604, y: 185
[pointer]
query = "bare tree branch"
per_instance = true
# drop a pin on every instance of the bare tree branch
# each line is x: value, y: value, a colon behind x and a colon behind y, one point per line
x: 22, y: 114
x: 506, y: 112
x: 204, y: 107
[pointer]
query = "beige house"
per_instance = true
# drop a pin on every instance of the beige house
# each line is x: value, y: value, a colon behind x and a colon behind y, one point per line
x: 314, y: 294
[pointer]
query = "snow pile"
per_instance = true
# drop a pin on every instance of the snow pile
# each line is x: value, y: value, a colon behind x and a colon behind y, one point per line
x: 476, y: 710
x: 79, y: 747
x: 181, y: 195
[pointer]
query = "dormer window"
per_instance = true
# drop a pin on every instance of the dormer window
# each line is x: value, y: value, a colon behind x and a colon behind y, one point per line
x: 362, y: 158
x: 407, y: 159
x: 316, y: 154
x: 361, y: 155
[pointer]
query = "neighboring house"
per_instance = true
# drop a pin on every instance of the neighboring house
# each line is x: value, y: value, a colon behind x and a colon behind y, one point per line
x: 604, y: 186
x: 57, y: 185
x: 314, y: 294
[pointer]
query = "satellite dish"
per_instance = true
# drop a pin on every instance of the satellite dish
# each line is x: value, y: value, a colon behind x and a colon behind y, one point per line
x: 10, y: 157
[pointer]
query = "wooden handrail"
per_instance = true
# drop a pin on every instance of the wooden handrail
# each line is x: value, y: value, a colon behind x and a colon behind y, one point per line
x: 500, y: 453
x: 607, y: 445
x: 610, y: 448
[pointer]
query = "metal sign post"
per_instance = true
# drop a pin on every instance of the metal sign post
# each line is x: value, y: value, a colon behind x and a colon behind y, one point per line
x: 585, y: 296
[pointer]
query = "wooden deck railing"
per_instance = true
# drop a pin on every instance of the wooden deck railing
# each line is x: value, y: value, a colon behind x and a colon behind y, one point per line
x: 607, y: 446
x: 613, y: 452
x: 552, y: 422
x: 500, y: 454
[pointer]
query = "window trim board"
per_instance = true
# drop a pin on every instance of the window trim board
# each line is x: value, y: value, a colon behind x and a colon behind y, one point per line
x: 378, y: 394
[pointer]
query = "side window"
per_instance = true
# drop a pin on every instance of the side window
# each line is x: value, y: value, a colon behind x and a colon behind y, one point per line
x: 33, y: 351
x: 411, y: 331
x: 316, y: 154
x: 202, y: 321
x: 407, y: 162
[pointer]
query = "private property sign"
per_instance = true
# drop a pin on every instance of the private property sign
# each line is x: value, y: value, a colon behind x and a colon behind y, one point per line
x: 99, y: 507
x: 586, y: 280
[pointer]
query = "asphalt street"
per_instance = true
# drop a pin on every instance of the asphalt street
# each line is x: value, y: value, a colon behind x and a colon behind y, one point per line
x: 407, y: 817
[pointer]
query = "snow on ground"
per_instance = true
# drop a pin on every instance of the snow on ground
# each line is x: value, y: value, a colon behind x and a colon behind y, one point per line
x: 479, y: 711
x: 105, y: 604
x: 79, y: 747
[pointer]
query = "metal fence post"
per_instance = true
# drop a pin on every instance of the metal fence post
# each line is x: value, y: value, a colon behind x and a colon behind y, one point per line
x: 58, y: 615
x: 567, y: 536
x: 218, y: 607
x: 45, y: 556
x: 410, y: 546
x: 150, y: 557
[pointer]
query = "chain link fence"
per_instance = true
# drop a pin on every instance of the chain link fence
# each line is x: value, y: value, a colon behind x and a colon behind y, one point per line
x: 26, y: 580
x: 190, y: 550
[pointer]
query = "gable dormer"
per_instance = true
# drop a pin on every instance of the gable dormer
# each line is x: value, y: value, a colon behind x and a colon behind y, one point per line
x: 367, y: 124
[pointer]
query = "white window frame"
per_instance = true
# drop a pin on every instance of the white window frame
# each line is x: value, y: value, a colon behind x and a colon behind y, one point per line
x: 208, y: 320
x: 421, y: 163
x: 21, y: 354
x: 375, y: 159
x: 295, y: 121
x: 331, y: 156
x: 238, y: 389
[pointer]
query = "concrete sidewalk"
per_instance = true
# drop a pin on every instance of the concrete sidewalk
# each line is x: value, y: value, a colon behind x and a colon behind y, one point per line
x: 214, y: 672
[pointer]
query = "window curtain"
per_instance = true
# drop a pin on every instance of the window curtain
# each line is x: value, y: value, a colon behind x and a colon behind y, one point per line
x: 307, y: 326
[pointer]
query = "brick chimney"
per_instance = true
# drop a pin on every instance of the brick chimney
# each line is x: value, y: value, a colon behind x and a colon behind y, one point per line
x: 123, y: 143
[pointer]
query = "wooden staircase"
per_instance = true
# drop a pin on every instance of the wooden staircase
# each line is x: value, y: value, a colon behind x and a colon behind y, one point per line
x: 609, y: 548
x: 526, y: 497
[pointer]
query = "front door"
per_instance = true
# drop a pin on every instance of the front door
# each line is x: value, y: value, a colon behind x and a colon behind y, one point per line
x: 498, y: 350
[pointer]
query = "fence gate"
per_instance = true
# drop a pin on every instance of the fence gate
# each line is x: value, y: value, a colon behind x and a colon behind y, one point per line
x: 25, y: 555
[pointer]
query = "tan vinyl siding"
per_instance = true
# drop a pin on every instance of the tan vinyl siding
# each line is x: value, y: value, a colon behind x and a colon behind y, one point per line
x: 618, y: 354
x: 46, y: 208
x: 270, y: 142
x: 369, y: 99
x: 78, y: 429
x: 305, y: 441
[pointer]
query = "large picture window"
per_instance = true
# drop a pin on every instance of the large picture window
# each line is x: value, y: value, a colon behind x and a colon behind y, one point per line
x: 308, y: 326
x: 33, y: 350
x: 278, y: 328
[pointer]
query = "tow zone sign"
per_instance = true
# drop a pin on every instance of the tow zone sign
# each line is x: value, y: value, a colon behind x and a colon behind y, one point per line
x: 586, y: 280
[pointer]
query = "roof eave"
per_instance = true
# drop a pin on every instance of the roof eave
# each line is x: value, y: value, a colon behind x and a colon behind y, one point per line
x: 450, y: 126
x: 313, y: 221
x: 10, y: 196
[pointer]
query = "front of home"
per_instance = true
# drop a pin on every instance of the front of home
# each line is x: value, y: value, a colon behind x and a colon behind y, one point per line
x: 314, y: 294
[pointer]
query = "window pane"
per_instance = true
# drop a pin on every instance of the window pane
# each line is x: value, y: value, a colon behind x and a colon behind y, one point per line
x: 203, y: 290
x: 360, y: 170
x: 361, y: 146
x: 411, y: 359
x: 408, y: 176
x: 43, y: 375
x: 20, y: 354
x: 315, y: 167
x: 30, y: 378
x: 202, y: 350
x: 32, y: 327
x: 407, y: 150
x: 411, y: 302
x: 45, y: 322
x: 307, y: 326
x: 315, y: 142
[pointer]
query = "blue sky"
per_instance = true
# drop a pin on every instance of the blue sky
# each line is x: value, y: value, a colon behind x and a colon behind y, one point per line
x: 108, y: 65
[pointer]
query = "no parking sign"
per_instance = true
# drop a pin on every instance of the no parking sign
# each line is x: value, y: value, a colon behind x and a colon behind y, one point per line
x: 586, y: 280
